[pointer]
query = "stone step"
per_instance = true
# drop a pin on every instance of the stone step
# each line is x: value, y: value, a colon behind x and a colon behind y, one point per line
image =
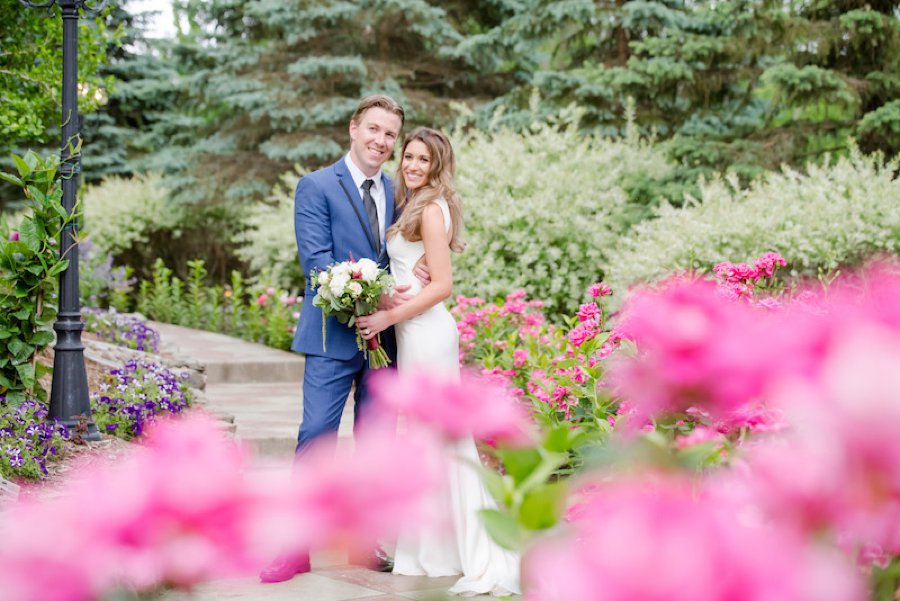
x: 266, y: 415
x: 230, y: 360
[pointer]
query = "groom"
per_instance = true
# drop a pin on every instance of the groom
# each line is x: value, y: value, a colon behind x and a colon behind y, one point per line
x: 341, y: 211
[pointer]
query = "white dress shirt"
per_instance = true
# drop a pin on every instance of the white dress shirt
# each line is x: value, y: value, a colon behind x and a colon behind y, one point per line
x: 377, y: 191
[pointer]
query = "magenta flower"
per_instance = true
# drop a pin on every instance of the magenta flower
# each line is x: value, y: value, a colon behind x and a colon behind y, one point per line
x: 657, y: 540
x: 582, y: 333
x: 520, y: 357
x: 371, y: 490
x: 696, y: 349
x: 599, y: 289
x: 589, y: 312
x: 472, y: 407
x: 177, y: 511
x: 766, y: 264
x: 13, y: 236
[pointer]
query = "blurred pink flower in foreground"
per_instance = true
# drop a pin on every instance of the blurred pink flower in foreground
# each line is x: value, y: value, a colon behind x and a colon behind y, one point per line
x: 471, y: 407
x: 656, y: 540
x: 368, y: 491
x: 176, y: 511
x: 695, y: 349
x: 838, y: 470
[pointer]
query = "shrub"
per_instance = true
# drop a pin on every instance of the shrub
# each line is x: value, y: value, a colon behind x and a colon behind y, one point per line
x: 136, y: 221
x: 543, y: 208
x: 29, y: 268
x: 100, y: 283
x: 831, y: 215
x: 267, y: 246
x: 258, y: 314
x: 120, y: 213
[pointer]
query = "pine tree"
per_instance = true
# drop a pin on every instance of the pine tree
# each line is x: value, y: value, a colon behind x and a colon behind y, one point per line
x: 268, y: 84
x: 736, y: 84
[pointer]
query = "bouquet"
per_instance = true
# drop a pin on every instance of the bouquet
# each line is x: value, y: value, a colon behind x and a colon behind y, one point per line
x: 351, y: 289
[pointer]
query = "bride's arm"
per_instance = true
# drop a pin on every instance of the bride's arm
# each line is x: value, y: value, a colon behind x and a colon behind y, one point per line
x: 437, y: 256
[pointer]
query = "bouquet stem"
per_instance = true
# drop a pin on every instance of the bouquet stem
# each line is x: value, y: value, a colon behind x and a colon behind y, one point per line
x: 377, y: 356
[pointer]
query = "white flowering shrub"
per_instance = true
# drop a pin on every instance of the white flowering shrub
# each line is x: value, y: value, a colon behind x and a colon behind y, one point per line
x: 544, y: 208
x: 267, y: 246
x: 120, y: 213
x: 828, y: 216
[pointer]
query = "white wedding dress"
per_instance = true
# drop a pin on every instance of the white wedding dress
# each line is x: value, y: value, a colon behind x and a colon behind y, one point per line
x: 461, y: 545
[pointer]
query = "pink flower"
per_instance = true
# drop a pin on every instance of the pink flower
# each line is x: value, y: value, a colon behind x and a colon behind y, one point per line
x: 599, y: 289
x: 736, y: 272
x: 515, y: 295
x: 582, y: 333
x: 589, y: 312
x: 454, y: 409
x: 374, y: 489
x: 698, y: 435
x: 766, y: 264
x: 698, y: 349
x: 177, y: 511
x: 520, y: 357
x: 261, y: 300
x: 13, y: 236
x: 655, y: 539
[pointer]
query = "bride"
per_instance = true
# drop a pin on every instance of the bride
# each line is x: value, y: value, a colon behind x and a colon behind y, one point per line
x: 427, y: 339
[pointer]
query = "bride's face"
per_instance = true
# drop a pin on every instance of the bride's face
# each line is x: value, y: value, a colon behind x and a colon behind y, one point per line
x: 415, y: 165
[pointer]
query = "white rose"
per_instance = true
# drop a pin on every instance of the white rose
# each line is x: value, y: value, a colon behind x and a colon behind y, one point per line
x: 323, y: 278
x: 345, y: 268
x: 354, y: 288
x: 338, y: 282
x: 368, y: 268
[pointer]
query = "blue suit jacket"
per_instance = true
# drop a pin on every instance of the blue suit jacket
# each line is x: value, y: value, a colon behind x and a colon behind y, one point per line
x: 330, y: 224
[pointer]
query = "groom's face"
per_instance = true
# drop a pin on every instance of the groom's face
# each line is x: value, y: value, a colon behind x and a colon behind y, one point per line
x: 372, y: 139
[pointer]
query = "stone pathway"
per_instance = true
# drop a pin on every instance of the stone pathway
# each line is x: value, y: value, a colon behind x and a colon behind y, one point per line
x: 261, y: 388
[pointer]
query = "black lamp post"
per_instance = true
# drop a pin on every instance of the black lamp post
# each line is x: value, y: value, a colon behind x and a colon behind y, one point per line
x: 69, y: 398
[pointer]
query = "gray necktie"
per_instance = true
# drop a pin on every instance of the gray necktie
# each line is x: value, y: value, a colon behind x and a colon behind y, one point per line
x: 372, y: 212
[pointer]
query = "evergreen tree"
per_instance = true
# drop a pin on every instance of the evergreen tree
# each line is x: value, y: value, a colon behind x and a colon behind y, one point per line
x: 268, y: 84
x: 736, y: 84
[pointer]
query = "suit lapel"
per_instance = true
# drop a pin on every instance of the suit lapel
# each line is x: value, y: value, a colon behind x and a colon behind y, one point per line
x: 388, y: 201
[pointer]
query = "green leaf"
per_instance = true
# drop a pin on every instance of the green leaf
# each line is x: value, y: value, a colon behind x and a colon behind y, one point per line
x: 542, y: 506
x: 503, y: 529
x: 42, y: 338
x: 26, y: 374
x: 12, y: 179
x: 558, y: 440
x: 19, y: 349
x: 58, y: 268
x: 495, y: 485
x: 15, y: 397
x: 28, y: 235
x: 519, y: 463
x: 23, y: 168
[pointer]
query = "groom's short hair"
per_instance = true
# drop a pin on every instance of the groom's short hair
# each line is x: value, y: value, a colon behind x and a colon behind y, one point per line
x: 381, y: 101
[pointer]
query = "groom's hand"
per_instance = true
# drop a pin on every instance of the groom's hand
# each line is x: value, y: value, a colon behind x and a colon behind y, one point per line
x: 420, y: 270
x: 400, y: 296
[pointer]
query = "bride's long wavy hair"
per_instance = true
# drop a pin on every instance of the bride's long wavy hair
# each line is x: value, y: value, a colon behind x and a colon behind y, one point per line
x: 439, y: 184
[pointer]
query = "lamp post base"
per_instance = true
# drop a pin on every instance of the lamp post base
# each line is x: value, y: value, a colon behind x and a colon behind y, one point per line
x: 70, y: 402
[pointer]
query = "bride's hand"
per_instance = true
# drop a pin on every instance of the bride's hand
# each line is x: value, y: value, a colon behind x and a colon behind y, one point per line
x: 370, y: 326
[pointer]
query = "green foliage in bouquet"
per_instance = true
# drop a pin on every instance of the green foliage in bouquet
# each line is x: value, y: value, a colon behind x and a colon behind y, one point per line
x: 819, y: 220
x: 29, y: 268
